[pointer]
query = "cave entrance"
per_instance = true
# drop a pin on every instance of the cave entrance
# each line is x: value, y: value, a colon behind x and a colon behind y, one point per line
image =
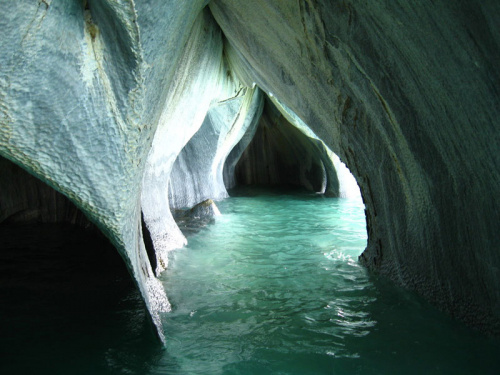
x: 64, y: 289
x: 288, y: 155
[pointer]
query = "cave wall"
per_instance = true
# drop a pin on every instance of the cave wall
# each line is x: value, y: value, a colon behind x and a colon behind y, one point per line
x: 198, y: 80
x: 197, y: 173
x: 83, y: 85
x: 407, y: 95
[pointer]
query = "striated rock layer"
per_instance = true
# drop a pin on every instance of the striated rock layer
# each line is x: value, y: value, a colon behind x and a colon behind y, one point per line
x: 98, y: 99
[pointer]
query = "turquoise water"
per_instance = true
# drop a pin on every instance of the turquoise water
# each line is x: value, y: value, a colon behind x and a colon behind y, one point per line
x: 273, y: 286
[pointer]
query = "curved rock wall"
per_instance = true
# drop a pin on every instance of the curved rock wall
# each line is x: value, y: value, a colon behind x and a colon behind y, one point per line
x: 82, y: 89
x: 97, y: 98
x: 198, y: 80
x: 197, y: 174
x: 407, y: 95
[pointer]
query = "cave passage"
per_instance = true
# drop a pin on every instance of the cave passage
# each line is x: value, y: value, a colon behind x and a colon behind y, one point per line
x: 68, y: 302
x: 98, y: 98
x: 274, y: 286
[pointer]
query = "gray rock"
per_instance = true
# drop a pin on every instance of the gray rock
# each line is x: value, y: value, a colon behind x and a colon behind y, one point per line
x: 82, y: 88
x: 204, y: 210
x: 197, y: 173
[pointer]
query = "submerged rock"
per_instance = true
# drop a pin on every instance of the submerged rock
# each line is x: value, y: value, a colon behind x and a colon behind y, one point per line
x: 191, y: 221
x: 204, y: 210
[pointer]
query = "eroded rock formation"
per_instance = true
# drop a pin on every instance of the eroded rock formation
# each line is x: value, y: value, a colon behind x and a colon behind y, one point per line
x: 198, y: 170
x: 98, y: 98
x: 407, y: 95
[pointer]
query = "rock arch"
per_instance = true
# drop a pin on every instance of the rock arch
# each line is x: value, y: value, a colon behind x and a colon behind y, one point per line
x: 406, y: 95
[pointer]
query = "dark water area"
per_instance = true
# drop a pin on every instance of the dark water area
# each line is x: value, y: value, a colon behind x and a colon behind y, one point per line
x: 68, y: 305
x: 272, y: 286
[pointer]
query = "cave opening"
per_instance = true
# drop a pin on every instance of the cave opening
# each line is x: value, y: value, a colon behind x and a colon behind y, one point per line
x: 283, y: 151
x: 64, y: 288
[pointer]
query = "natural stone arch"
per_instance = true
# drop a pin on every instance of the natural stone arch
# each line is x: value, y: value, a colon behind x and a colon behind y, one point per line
x: 281, y: 154
x: 406, y: 94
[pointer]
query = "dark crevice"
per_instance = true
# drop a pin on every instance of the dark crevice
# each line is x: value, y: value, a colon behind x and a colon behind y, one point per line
x: 148, y: 243
x: 24, y: 199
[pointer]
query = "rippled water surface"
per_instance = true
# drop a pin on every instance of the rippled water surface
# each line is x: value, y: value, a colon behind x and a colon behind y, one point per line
x: 273, y: 286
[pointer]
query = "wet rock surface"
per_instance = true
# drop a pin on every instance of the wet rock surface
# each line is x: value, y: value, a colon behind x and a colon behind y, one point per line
x: 192, y: 220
